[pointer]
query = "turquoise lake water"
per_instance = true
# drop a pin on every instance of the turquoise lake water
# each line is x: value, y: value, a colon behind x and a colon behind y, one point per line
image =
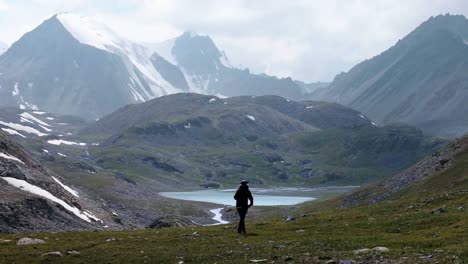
x: 262, y: 197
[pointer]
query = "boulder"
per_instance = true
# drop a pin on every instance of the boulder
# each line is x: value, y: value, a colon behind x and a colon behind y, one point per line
x: 73, y: 252
x: 29, y: 241
x: 171, y: 221
x: 362, y: 251
x: 381, y: 250
x: 52, y: 254
x: 439, y: 211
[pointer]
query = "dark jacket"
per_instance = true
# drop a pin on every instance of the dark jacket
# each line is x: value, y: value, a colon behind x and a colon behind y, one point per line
x: 242, y: 196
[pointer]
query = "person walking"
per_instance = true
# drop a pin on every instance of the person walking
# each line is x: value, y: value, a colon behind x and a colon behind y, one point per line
x: 242, y: 197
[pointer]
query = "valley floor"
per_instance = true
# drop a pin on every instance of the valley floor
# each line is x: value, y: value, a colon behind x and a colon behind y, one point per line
x: 411, y: 229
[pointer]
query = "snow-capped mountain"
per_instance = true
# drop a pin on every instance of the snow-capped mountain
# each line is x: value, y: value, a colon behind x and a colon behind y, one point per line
x: 76, y: 65
x: 207, y: 70
x: 3, y: 47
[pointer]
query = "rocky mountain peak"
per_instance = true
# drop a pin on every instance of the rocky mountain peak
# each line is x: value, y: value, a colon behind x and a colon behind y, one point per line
x: 198, y: 54
x: 456, y: 25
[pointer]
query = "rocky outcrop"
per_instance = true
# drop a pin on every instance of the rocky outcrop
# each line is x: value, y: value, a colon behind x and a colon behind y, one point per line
x: 171, y: 221
x: 33, y: 199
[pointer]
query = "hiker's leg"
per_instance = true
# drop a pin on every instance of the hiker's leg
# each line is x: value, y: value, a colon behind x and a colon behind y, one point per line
x: 242, y: 213
x: 245, y: 214
x: 241, y: 225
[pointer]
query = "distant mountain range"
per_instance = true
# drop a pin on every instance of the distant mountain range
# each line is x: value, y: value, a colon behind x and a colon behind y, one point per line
x: 75, y: 65
x: 421, y: 80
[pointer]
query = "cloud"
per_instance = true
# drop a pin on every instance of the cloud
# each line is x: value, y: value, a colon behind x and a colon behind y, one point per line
x: 3, y: 6
x: 308, y: 40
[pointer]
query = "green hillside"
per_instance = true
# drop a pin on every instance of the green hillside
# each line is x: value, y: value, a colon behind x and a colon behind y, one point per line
x: 424, y: 223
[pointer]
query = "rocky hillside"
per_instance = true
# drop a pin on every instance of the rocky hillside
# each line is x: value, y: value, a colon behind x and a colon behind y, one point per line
x: 38, y: 124
x: 33, y: 199
x: 191, y: 140
x: 425, y: 223
x: 420, y: 81
x: 445, y: 169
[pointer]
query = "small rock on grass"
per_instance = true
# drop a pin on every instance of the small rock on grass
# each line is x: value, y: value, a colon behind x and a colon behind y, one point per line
x: 29, y: 241
x: 439, y: 210
x: 258, y: 260
x: 72, y: 252
x: 52, y: 254
x: 426, y: 257
x: 361, y: 251
x: 381, y: 250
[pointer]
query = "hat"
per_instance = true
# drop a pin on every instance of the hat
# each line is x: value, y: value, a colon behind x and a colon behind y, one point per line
x: 244, y: 182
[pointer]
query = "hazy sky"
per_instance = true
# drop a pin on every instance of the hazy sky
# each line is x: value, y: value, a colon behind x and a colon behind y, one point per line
x: 310, y: 40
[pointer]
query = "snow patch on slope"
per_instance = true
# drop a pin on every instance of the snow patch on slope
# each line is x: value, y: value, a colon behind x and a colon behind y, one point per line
x: 89, y: 32
x: 26, y: 129
x: 15, y: 91
x: 31, y: 117
x: 13, y: 132
x: 68, y: 189
x: 25, y: 186
x: 59, y: 142
x: 10, y: 157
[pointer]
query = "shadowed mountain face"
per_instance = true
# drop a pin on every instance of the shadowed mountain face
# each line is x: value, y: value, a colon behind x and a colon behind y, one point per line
x: 421, y: 80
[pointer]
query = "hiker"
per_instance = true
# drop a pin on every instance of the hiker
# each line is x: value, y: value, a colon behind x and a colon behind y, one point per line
x: 242, y: 196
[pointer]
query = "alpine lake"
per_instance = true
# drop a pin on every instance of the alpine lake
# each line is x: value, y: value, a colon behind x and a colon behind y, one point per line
x: 262, y: 196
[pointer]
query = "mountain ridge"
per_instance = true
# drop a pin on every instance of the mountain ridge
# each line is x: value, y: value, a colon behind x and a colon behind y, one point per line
x: 418, y: 81
x: 75, y: 65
